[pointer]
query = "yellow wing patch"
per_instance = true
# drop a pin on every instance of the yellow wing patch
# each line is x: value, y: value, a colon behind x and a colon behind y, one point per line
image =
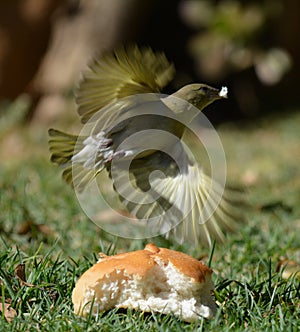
x: 125, y: 72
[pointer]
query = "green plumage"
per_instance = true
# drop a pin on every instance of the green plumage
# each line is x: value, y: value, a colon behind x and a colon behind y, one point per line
x: 185, y: 197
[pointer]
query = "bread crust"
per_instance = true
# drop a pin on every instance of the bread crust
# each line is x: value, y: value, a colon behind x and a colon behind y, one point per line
x: 138, y: 265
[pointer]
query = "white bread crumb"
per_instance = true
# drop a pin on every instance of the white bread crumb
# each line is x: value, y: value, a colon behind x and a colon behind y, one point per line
x: 223, y: 92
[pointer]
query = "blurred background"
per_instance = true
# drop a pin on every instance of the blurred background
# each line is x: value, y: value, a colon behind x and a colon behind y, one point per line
x: 250, y: 46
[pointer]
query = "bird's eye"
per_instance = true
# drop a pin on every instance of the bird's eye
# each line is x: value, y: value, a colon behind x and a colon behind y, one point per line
x: 203, y: 89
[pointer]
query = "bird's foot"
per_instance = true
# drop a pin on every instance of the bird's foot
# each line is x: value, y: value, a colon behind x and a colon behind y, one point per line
x: 110, y: 156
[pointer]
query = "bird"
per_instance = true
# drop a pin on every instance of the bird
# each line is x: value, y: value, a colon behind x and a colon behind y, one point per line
x: 136, y: 138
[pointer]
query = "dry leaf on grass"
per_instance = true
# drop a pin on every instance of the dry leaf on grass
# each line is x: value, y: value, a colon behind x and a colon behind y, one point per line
x: 289, y: 268
x: 20, y: 274
x: 29, y: 227
x: 8, y: 312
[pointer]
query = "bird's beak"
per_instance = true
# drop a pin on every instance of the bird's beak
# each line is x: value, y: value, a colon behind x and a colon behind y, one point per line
x: 223, y: 92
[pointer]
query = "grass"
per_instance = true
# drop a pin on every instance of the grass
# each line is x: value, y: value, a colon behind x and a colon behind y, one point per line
x: 43, y: 227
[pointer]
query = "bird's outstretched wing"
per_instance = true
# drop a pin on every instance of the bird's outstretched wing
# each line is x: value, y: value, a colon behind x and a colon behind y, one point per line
x: 183, y: 202
x: 125, y: 72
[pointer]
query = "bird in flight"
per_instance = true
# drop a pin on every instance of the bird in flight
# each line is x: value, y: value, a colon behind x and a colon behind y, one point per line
x: 135, y: 135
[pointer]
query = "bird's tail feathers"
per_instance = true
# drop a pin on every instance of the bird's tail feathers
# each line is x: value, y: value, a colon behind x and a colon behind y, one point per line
x: 63, y: 148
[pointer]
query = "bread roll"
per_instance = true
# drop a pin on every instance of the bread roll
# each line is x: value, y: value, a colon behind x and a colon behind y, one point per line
x: 153, y: 279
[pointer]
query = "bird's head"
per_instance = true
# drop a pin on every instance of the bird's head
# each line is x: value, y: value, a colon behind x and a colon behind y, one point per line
x: 200, y: 95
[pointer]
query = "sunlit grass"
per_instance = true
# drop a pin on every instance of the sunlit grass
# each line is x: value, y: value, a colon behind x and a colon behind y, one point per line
x: 43, y: 227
